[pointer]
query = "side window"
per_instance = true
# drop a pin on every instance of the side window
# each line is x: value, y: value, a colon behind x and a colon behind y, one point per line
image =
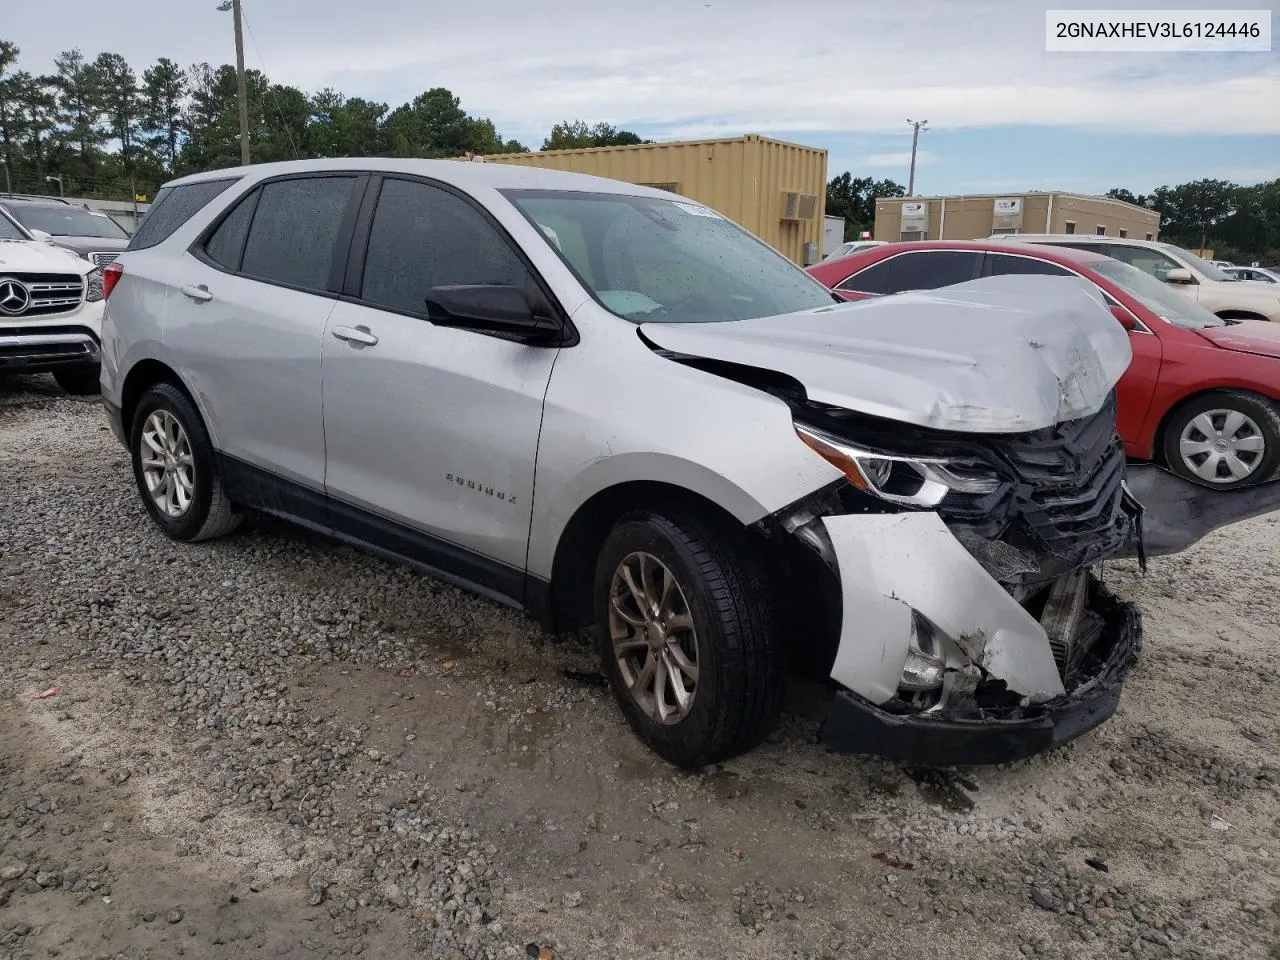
x: 295, y: 230
x: 1000, y: 264
x: 423, y: 237
x: 1149, y: 261
x: 226, y: 246
x: 926, y: 270
x: 173, y: 207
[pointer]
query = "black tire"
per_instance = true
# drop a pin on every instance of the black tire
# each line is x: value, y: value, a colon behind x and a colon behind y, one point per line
x: 741, y: 666
x: 210, y: 512
x: 1258, y: 409
x: 80, y: 380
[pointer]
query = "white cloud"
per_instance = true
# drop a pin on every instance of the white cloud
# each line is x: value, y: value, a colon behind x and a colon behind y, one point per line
x: 692, y: 69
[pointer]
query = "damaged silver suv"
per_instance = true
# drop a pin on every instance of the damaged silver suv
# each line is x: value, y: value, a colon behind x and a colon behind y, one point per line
x: 605, y: 405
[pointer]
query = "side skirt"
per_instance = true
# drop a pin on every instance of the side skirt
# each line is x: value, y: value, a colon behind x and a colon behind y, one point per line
x: 387, y: 539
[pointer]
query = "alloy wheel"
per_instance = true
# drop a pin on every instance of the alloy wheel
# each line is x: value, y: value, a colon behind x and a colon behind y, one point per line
x: 653, y: 636
x: 168, y: 468
x: 1222, y: 446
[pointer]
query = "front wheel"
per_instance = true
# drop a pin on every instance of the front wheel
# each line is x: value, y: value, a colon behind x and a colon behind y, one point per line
x: 688, y: 636
x: 176, y: 468
x: 80, y: 380
x: 1225, y: 439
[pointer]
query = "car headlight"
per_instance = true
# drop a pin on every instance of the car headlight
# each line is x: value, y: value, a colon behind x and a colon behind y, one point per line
x: 93, y: 285
x: 912, y: 481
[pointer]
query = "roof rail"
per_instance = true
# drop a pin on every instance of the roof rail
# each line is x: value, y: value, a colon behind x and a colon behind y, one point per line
x: 35, y: 196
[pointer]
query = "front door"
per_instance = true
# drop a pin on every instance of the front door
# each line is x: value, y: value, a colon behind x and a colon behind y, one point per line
x: 432, y: 431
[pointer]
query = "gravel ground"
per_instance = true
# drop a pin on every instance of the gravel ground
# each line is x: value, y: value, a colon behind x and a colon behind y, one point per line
x: 274, y: 746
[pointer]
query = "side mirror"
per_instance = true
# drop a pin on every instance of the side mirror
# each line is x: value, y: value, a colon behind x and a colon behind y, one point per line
x: 41, y: 235
x: 487, y: 307
x: 1127, y: 319
x: 1179, y: 275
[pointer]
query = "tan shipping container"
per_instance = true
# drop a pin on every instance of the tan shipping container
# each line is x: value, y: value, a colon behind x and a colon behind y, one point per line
x: 746, y: 179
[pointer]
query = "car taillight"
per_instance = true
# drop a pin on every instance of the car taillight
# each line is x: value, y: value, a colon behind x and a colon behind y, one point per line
x: 111, y: 275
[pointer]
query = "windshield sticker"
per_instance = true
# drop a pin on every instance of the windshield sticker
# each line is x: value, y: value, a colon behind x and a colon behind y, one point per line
x: 697, y: 211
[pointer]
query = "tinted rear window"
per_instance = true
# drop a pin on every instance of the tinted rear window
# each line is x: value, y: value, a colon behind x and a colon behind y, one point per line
x: 295, y: 230
x: 174, y: 206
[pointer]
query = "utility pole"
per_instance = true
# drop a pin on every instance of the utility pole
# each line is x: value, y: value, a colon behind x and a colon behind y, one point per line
x: 916, y: 127
x: 57, y: 180
x: 241, y: 94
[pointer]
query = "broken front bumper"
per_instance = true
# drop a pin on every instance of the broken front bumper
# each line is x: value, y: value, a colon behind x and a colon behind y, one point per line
x: 1009, y: 690
x: 993, y: 735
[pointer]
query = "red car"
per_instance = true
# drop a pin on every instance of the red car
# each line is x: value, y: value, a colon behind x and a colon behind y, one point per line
x: 1201, y: 393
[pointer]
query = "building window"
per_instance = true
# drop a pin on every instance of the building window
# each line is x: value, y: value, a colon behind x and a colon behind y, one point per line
x: 1124, y: 234
x: 1071, y: 226
x: 1100, y: 230
x: 1150, y: 237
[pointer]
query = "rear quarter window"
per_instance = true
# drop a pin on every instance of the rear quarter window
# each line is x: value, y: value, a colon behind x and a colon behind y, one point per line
x: 174, y: 206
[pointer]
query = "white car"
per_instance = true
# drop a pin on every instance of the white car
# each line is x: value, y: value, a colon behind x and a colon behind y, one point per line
x: 853, y: 246
x: 1256, y: 274
x: 50, y: 312
x: 1202, y: 281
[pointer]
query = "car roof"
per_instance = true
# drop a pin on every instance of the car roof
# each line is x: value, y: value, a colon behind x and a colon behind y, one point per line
x: 1086, y: 238
x: 1040, y: 252
x: 50, y: 203
x: 460, y: 173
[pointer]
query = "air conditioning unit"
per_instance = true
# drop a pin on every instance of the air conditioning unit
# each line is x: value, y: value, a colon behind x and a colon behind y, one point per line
x: 906, y: 235
x: 799, y: 206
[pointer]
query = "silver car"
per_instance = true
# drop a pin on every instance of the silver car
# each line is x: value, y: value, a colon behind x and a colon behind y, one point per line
x: 606, y: 405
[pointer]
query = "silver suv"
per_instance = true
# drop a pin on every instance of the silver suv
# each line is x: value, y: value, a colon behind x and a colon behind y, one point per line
x: 606, y: 405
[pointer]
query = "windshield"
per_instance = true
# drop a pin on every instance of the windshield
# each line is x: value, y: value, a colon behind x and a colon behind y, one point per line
x: 653, y: 260
x: 8, y: 231
x: 1199, y: 264
x: 1165, y: 302
x: 71, y: 222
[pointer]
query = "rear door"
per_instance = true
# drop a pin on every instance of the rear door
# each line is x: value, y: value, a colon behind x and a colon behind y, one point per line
x: 915, y: 270
x: 1137, y: 386
x: 256, y: 292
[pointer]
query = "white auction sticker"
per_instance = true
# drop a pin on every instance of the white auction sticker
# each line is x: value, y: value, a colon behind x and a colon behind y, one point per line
x: 1146, y: 31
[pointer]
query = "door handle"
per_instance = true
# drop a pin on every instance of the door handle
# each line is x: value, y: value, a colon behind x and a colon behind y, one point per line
x: 355, y: 335
x: 200, y: 294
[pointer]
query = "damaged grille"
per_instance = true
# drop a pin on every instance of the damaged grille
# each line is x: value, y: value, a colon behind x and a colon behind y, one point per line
x: 1062, y: 505
x: 1067, y: 493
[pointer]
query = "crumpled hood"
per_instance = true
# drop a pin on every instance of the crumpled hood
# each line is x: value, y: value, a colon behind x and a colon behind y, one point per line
x: 32, y: 256
x: 997, y: 355
x: 1247, y: 336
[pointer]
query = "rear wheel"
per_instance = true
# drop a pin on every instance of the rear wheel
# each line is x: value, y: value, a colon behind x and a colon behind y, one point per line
x: 688, y: 636
x: 176, y: 468
x: 1224, y: 439
x: 80, y: 380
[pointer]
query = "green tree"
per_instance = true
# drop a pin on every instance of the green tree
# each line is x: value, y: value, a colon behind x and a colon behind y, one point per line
x: 164, y: 91
x: 576, y: 134
x: 854, y: 199
x: 1191, y: 211
x: 79, y: 110
x: 1120, y: 193
x: 121, y: 104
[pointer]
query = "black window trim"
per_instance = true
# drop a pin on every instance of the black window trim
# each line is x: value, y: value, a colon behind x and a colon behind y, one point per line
x: 342, y: 245
x: 358, y: 250
x: 979, y: 254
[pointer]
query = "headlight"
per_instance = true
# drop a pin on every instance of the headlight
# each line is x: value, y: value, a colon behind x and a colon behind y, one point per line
x: 93, y: 285
x: 913, y: 481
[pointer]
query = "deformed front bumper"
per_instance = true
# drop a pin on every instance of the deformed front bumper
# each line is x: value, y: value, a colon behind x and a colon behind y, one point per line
x: 993, y: 735
x: 1007, y: 691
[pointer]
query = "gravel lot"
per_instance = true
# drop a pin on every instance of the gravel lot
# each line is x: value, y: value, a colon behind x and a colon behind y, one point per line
x: 273, y: 746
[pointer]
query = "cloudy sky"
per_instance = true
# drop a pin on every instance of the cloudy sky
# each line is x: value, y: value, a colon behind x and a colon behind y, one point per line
x: 1003, y: 114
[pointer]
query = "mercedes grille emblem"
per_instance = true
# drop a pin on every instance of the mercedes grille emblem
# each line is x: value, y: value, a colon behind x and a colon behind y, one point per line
x: 14, y: 297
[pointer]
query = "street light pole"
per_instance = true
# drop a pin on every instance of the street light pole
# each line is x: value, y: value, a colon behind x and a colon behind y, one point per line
x: 57, y: 180
x: 241, y: 94
x: 8, y: 184
x: 916, y: 127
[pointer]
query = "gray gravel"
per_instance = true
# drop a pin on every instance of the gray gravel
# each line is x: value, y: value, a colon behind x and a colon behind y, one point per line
x: 274, y: 742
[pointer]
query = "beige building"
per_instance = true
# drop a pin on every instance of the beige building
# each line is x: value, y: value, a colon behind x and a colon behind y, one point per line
x: 977, y: 216
x: 776, y: 190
